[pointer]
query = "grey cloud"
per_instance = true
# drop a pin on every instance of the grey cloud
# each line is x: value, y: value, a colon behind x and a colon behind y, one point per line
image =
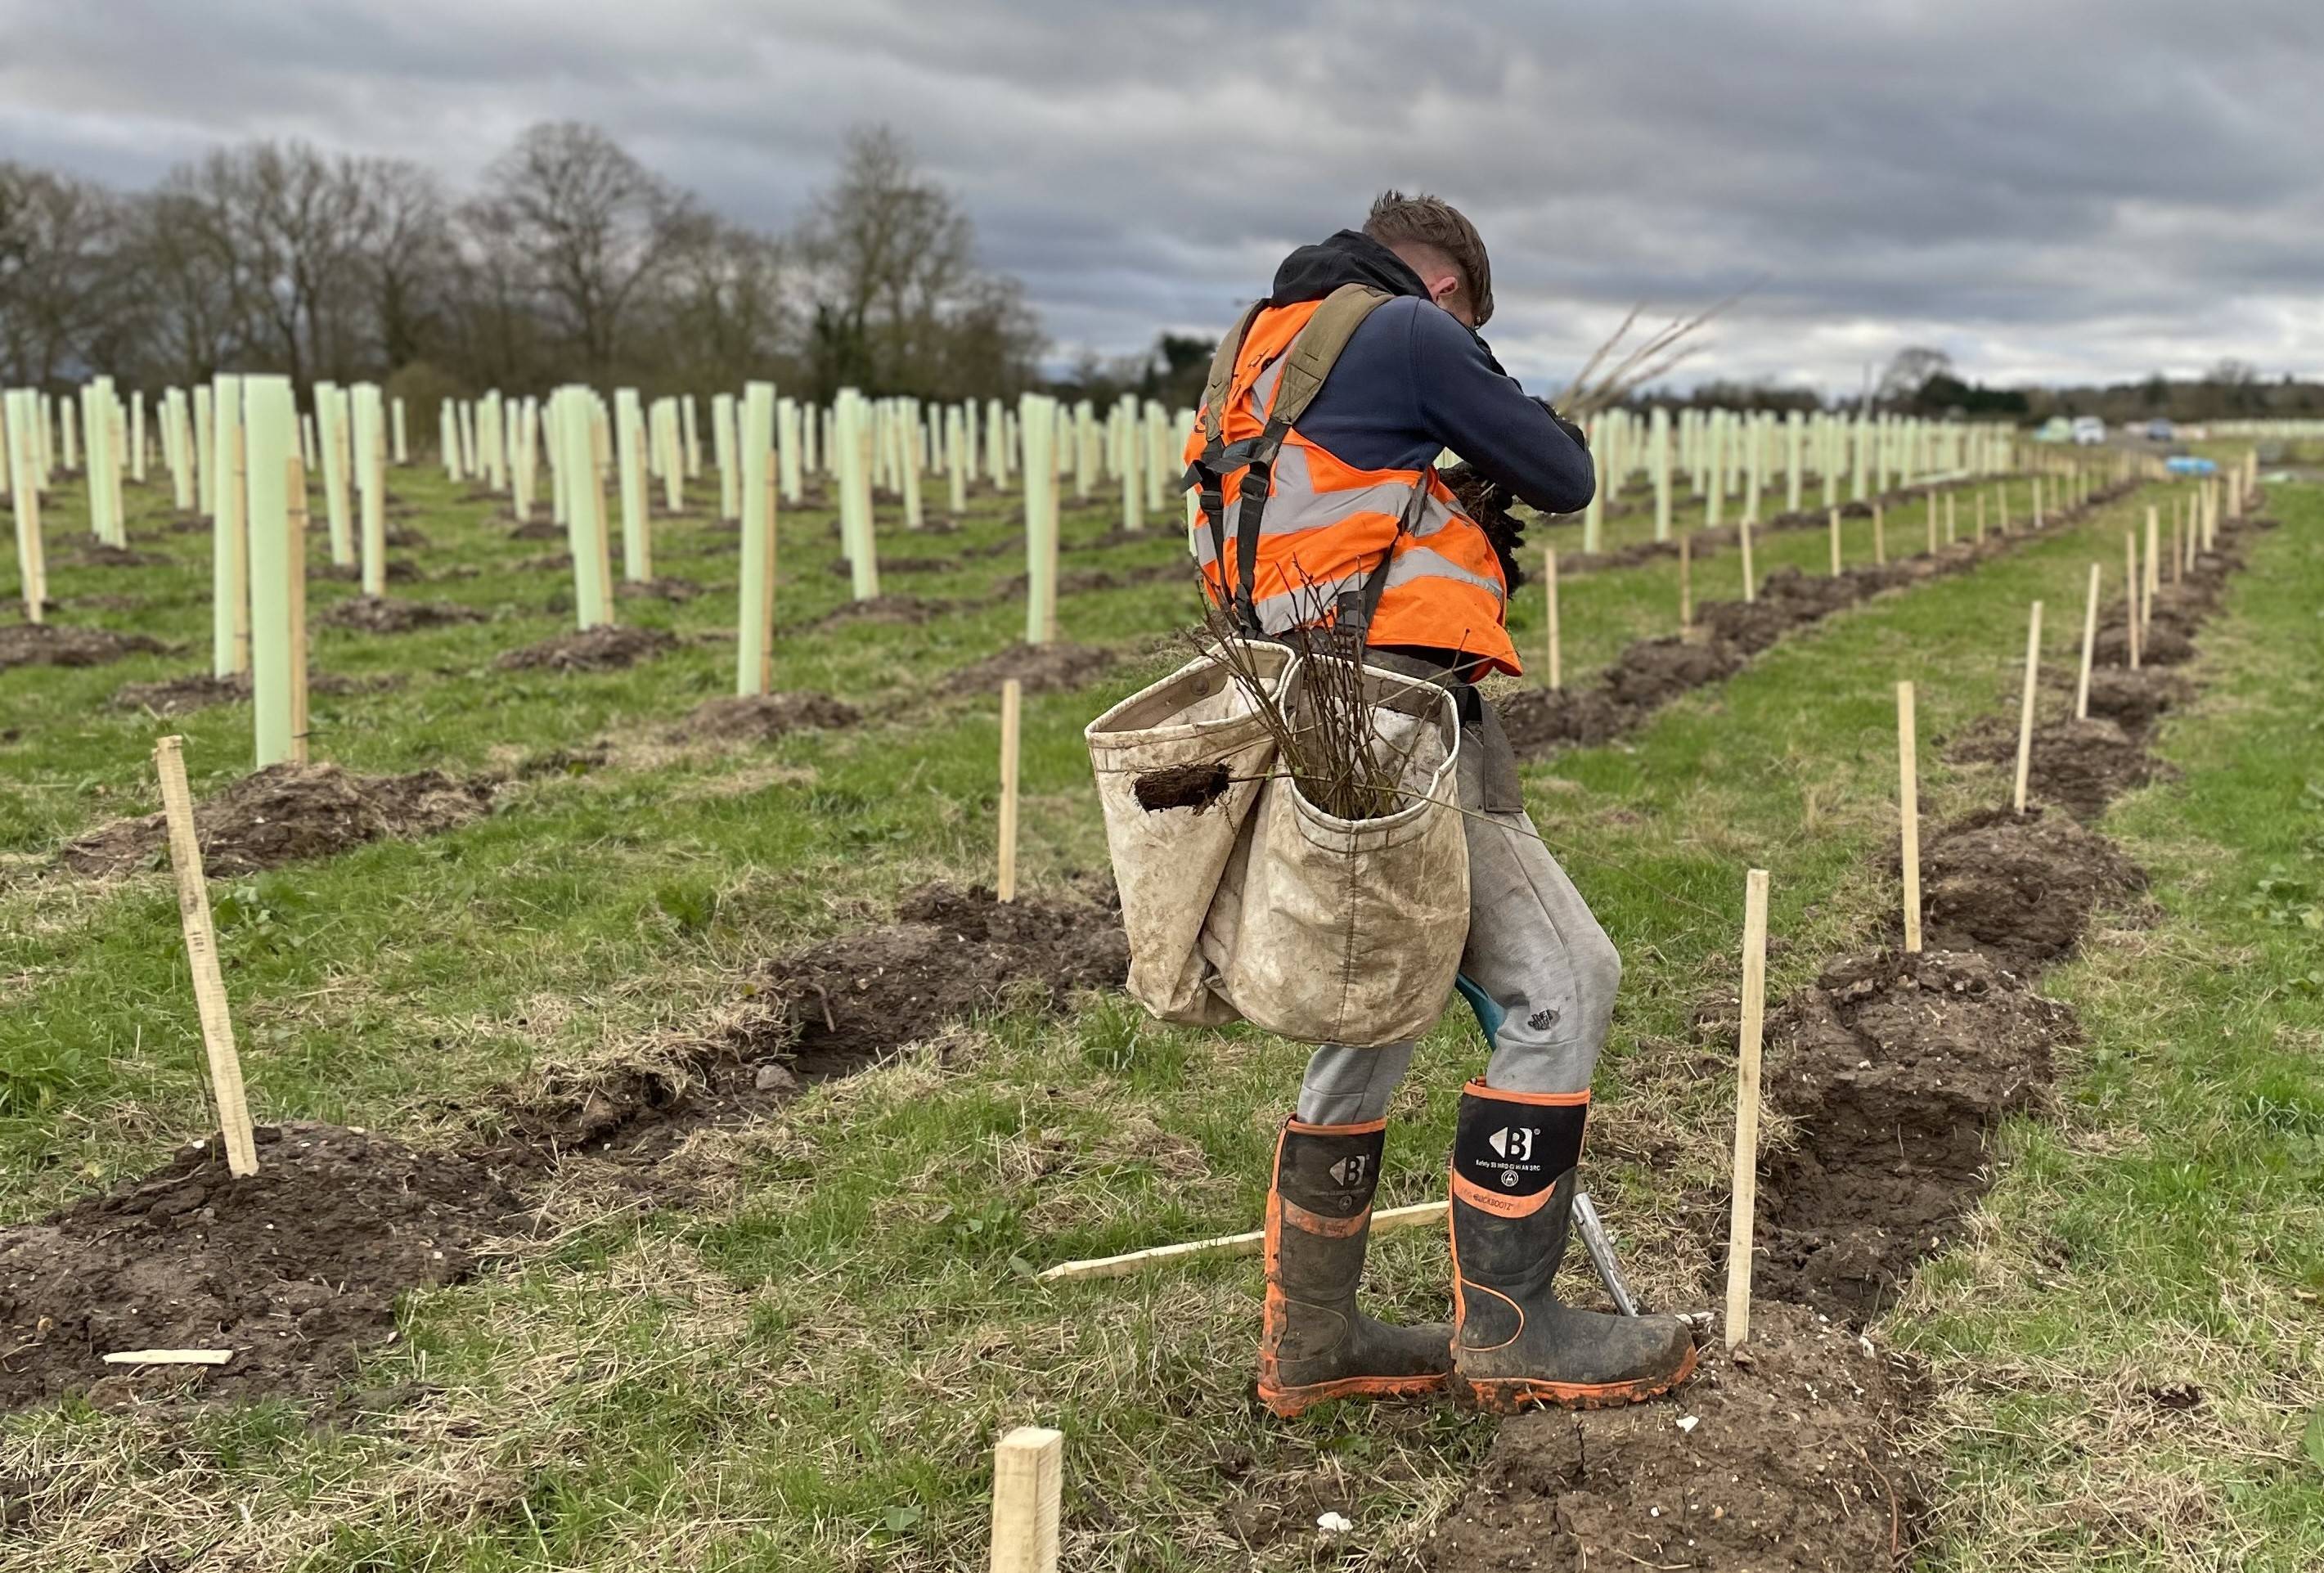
x: 2052, y: 190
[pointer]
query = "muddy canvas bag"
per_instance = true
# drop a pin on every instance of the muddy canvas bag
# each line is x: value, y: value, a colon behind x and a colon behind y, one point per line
x: 1168, y: 863
x: 1331, y: 930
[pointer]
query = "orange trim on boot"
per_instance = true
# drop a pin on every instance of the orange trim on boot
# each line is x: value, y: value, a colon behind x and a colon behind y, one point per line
x: 1290, y: 1403
x: 1508, y: 1394
x: 1495, y: 1202
x: 1476, y: 1085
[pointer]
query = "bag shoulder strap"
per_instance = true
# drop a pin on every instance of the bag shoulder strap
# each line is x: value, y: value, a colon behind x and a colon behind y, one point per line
x: 1221, y: 377
x: 1318, y: 349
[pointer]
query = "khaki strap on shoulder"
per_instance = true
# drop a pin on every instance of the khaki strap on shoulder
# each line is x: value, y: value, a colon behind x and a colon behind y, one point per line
x: 1222, y: 365
x: 1318, y: 349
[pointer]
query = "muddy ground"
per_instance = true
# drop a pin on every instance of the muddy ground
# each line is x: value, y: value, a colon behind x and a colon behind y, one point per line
x: 389, y: 614
x: 292, y: 1269
x: 950, y: 954
x: 606, y: 647
x: 760, y: 718
x: 199, y: 690
x: 1787, y: 1462
x: 49, y: 644
x: 285, y: 813
x: 1039, y: 668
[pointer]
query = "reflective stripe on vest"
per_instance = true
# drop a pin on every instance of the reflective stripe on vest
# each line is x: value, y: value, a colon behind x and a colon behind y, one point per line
x: 1326, y: 524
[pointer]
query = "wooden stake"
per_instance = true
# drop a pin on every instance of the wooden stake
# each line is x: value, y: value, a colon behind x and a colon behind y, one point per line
x: 2152, y: 566
x: 1746, y: 1108
x: 167, y: 1357
x: 296, y: 486
x: 1549, y: 580
x: 1835, y: 543
x: 1908, y: 807
x: 201, y: 958
x: 1952, y: 516
x: 1879, y: 537
x: 2025, y: 706
x: 1028, y: 1471
x: 1686, y: 581
x: 2130, y: 596
x: 1981, y: 518
x: 1417, y: 1215
x: 2090, y: 644
x: 1012, y: 702
x: 1750, y: 580
x: 1932, y: 522
x: 2180, y: 533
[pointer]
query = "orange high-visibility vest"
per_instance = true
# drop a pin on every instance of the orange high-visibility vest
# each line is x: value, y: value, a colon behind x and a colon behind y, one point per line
x: 1331, y: 540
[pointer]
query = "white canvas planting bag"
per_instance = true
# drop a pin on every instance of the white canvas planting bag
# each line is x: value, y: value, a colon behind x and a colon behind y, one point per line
x: 1349, y: 930
x: 1168, y: 864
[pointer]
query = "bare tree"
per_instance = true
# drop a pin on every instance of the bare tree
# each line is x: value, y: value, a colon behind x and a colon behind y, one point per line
x: 407, y: 256
x: 893, y: 257
x: 57, y: 237
x: 599, y: 226
x: 1910, y: 367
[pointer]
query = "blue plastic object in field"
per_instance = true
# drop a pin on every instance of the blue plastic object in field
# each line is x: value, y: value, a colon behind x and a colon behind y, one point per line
x: 2188, y: 464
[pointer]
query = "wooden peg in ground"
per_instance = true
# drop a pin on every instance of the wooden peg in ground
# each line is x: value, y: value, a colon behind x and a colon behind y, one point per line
x: 201, y: 958
x: 1013, y: 703
x: 2090, y: 645
x: 1028, y: 1467
x: 1908, y: 810
x: 1746, y: 1108
x: 2026, y: 706
x: 1549, y: 583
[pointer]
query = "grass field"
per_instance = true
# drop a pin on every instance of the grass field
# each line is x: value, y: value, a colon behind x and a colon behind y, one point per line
x: 793, y: 1346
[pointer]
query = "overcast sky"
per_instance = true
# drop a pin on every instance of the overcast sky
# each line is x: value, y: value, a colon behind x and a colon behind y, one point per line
x: 2047, y: 190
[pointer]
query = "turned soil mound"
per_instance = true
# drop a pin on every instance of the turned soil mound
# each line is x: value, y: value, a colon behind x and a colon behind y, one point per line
x: 843, y: 568
x: 102, y: 555
x: 49, y: 644
x: 199, y: 690
x: 2020, y: 889
x: 760, y: 718
x: 2079, y: 765
x: 950, y: 955
x: 905, y: 608
x: 396, y: 570
x: 2132, y: 700
x: 539, y: 530
x: 604, y: 648
x: 1089, y: 581
x: 292, y: 1268
x: 670, y: 588
x: 385, y: 614
x: 285, y: 813
x: 1789, y: 1465
x: 1040, y: 669
x: 1895, y: 1069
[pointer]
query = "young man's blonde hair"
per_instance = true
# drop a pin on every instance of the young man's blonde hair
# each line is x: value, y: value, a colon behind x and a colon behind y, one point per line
x: 1431, y: 221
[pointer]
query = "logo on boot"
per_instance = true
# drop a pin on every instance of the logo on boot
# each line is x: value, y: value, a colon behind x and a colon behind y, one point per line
x: 1513, y: 1142
x: 1349, y: 1171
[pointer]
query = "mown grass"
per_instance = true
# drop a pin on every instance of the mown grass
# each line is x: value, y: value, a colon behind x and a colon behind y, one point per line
x: 798, y: 1359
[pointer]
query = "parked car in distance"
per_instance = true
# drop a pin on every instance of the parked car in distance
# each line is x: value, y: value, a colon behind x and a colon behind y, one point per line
x: 2089, y: 431
x: 2057, y: 428
x: 2160, y: 431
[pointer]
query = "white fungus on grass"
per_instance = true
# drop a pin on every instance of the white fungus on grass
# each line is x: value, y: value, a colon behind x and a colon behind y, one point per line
x: 1333, y: 1524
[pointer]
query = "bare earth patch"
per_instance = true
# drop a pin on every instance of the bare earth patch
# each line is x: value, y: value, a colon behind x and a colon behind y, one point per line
x: 602, y: 649
x: 49, y: 644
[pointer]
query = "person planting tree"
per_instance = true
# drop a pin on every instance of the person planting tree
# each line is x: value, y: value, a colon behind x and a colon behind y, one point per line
x: 1326, y: 407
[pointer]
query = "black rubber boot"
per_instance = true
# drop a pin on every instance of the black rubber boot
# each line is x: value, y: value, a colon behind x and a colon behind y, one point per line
x: 1515, y: 1345
x: 1315, y: 1344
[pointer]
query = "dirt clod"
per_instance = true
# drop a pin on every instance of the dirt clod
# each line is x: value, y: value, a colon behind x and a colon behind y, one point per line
x: 292, y: 1268
x: 903, y: 609
x: 285, y: 813
x: 49, y: 644
x: 105, y: 555
x: 604, y: 648
x: 764, y: 717
x: 199, y: 690
x: 1195, y: 785
x: 1788, y: 1465
x: 386, y: 614
x: 668, y: 588
x: 2079, y: 765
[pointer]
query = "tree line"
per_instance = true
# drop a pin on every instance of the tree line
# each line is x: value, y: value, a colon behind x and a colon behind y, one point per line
x: 572, y: 261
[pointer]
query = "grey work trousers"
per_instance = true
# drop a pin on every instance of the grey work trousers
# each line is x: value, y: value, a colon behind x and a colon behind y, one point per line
x: 1538, y: 970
